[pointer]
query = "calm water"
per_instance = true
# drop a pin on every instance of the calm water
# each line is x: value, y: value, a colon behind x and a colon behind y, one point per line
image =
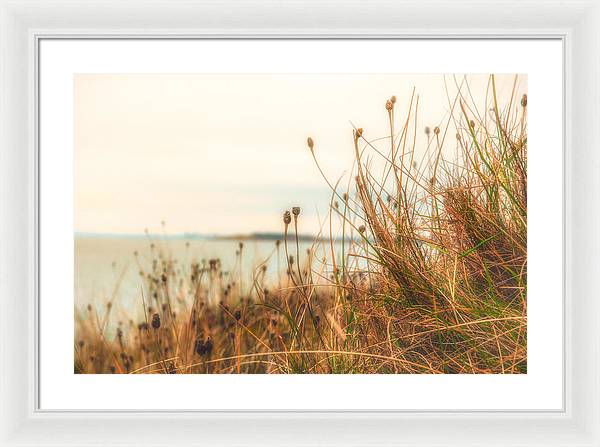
x: 106, y: 267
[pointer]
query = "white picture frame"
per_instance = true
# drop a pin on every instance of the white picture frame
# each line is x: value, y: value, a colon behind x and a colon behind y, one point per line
x: 24, y: 23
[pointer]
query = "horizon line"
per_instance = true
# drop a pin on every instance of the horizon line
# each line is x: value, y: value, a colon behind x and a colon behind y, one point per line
x: 196, y: 235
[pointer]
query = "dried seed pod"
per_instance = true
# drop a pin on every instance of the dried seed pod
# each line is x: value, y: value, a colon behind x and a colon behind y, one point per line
x: 287, y: 218
x: 155, y: 321
x: 524, y: 100
x: 436, y: 130
x: 203, y: 348
x: 311, y: 143
x: 296, y: 211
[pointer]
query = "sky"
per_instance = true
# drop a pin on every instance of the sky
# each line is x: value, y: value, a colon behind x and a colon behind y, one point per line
x: 227, y: 153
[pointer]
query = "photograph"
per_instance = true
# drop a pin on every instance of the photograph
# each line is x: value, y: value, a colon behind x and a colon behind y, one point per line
x: 311, y: 223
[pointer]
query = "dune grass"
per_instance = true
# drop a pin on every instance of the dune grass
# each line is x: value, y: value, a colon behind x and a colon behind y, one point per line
x: 430, y: 276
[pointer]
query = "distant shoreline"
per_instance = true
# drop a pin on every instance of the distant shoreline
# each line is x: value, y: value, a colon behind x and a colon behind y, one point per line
x: 267, y: 236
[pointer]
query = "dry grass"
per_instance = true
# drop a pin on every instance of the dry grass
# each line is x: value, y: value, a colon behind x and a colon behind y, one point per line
x: 431, y: 276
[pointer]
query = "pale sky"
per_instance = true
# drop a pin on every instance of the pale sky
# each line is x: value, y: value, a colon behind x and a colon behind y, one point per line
x: 227, y: 153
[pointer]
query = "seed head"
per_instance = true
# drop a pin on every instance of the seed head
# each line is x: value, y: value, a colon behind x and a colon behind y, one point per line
x: 361, y: 229
x: 427, y: 130
x: 436, y: 130
x: 524, y: 100
x: 472, y: 124
x: 389, y: 106
x: 296, y: 211
x: 311, y: 143
x: 208, y: 345
x: 358, y: 133
x: 203, y: 347
x: 393, y: 100
x: 287, y: 218
x: 155, y: 321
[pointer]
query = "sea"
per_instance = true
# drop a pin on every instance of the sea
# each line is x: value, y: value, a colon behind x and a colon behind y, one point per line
x: 107, y: 267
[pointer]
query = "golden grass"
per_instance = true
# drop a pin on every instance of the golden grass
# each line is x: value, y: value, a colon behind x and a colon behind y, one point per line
x: 431, y: 278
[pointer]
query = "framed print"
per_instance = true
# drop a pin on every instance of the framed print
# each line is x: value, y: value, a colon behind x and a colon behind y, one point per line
x: 299, y: 266
x: 310, y: 229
